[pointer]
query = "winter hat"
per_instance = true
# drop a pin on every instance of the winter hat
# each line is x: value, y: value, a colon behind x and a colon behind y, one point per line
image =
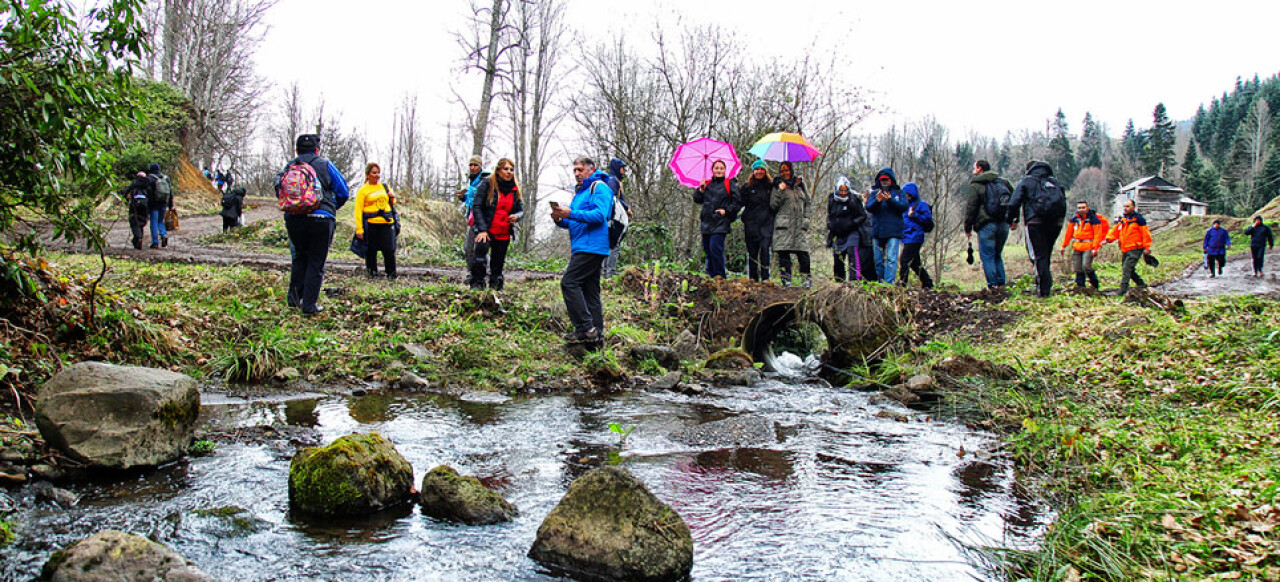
x: 757, y: 165
x: 475, y: 161
x: 307, y: 142
x: 616, y: 165
x: 842, y: 181
x: 154, y: 168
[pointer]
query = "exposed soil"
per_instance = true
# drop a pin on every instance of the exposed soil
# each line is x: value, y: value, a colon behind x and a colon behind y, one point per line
x: 718, y: 310
x: 967, y: 315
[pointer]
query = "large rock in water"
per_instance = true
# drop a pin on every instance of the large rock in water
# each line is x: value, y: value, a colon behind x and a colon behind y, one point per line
x: 118, y: 417
x: 609, y: 526
x: 448, y: 495
x: 356, y: 475
x: 110, y: 556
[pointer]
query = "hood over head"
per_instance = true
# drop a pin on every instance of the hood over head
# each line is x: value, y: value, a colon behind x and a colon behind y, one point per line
x: 615, y: 167
x: 154, y: 168
x: 913, y: 191
x: 886, y: 171
x: 1039, y: 169
x: 842, y: 181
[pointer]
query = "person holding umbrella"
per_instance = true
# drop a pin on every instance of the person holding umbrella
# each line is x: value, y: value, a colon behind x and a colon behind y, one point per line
x: 791, y: 232
x: 758, y: 221
x: 720, y: 199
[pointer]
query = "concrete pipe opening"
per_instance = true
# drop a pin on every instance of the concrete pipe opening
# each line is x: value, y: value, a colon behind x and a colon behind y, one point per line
x: 784, y: 342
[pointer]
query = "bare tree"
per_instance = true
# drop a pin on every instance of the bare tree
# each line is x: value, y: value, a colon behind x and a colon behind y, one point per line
x: 485, y: 42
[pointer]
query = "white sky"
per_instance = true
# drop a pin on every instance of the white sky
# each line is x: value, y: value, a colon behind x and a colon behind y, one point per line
x: 989, y: 67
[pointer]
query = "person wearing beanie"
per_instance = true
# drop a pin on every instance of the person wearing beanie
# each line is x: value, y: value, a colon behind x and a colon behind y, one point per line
x: 136, y: 195
x: 790, y: 200
x: 467, y: 196
x: 1216, y: 242
x: 758, y: 219
x: 617, y: 175
x: 1260, y: 239
x: 310, y: 229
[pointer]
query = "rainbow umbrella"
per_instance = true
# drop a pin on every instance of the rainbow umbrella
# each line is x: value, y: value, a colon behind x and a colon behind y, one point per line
x: 784, y: 147
x: 692, y: 161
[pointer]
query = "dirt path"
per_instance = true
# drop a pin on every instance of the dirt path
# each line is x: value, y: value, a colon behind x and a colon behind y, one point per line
x: 1236, y: 279
x: 185, y: 248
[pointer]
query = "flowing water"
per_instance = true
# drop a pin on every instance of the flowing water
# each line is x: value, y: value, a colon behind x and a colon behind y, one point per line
x: 840, y: 495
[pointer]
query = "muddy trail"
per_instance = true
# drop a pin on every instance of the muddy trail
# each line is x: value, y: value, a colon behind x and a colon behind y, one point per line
x: 185, y: 247
x: 1236, y: 279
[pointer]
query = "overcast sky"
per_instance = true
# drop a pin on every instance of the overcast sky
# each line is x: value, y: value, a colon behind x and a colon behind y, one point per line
x: 989, y: 67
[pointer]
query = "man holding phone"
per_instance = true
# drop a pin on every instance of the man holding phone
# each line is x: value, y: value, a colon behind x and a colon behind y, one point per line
x: 587, y: 219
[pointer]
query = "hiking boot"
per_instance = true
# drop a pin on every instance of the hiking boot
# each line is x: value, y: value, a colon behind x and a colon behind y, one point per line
x: 495, y: 283
x: 313, y: 312
x: 154, y: 246
x: 164, y: 241
x: 589, y: 336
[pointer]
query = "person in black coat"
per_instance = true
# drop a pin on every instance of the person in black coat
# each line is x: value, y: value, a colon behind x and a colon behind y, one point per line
x: 1260, y: 239
x: 720, y: 200
x: 849, y: 234
x: 757, y: 221
x: 137, y: 195
x: 232, y: 208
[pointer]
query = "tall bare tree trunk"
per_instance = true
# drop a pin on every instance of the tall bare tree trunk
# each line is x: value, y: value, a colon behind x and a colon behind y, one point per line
x: 497, y: 18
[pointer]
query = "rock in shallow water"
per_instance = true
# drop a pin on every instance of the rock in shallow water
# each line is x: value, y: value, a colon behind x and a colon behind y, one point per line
x: 609, y: 526
x: 356, y: 475
x: 111, y: 555
x: 447, y: 495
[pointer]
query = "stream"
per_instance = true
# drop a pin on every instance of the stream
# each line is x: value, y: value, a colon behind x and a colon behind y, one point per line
x: 841, y: 495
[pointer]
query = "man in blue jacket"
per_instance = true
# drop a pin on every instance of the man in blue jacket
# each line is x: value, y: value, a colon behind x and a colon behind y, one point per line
x: 311, y: 233
x: 886, y: 204
x: 915, y: 221
x: 587, y: 218
x: 1216, y: 242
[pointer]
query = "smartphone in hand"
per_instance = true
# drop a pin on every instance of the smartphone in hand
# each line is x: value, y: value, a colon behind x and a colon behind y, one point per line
x: 554, y: 204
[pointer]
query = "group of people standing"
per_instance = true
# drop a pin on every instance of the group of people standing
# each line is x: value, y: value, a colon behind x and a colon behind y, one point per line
x: 149, y: 197
x: 877, y: 234
x: 1217, y: 240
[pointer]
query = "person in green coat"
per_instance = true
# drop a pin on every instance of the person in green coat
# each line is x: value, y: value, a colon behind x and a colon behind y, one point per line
x: 790, y: 200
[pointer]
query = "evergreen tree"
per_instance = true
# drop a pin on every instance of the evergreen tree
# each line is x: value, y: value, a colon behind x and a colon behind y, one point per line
x: 1090, y: 143
x: 1268, y: 185
x: 1201, y: 180
x: 1158, y: 155
x: 1059, y: 155
x: 1131, y: 143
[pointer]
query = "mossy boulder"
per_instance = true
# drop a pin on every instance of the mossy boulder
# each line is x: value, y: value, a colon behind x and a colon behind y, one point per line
x: 118, y: 417
x: 356, y: 475
x: 609, y: 526
x: 730, y: 359
x: 113, y: 555
x: 448, y: 495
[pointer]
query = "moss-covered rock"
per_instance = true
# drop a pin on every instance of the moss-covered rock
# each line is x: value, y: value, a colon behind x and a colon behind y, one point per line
x: 730, y: 359
x: 357, y: 474
x: 114, y: 555
x: 609, y: 526
x: 447, y: 495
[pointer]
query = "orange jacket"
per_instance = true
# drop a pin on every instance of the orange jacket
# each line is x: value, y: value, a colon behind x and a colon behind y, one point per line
x: 1086, y: 233
x: 1132, y: 232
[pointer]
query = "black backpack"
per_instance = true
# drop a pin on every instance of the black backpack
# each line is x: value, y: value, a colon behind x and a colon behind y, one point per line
x: 997, y: 202
x: 229, y: 200
x: 1047, y: 200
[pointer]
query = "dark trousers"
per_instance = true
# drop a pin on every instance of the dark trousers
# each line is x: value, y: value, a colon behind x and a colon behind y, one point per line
x: 1219, y: 260
x: 758, y: 251
x: 229, y: 223
x: 713, y: 254
x: 491, y: 256
x: 469, y: 249
x: 380, y: 238
x: 1040, y: 239
x: 137, y: 220
x: 580, y: 287
x: 1259, y: 257
x: 784, y: 264
x: 909, y: 262
x: 310, y: 237
x: 861, y: 263
x: 1129, y: 270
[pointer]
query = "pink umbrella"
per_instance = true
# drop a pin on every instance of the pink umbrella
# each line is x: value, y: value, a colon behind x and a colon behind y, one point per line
x: 692, y: 161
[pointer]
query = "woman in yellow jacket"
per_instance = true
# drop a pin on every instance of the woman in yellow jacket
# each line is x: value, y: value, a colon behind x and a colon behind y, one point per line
x: 375, y: 221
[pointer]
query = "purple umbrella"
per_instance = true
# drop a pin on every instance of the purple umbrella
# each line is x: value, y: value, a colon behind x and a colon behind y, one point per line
x: 692, y: 161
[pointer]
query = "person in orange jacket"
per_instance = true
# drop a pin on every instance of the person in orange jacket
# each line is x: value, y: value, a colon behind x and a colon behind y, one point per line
x: 1086, y: 232
x: 1135, y: 242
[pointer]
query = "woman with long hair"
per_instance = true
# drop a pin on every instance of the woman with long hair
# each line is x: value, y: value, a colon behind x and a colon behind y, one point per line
x: 791, y: 231
x: 719, y: 198
x: 376, y: 221
x: 497, y: 208
x: 757, y: 221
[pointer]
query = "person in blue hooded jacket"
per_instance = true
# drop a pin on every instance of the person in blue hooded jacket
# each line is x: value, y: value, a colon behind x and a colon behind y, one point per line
x: 1216, y: 242
x: 587, y: 219
x: 617, y: 175
x: 915, y: 220
x: 886, y: 204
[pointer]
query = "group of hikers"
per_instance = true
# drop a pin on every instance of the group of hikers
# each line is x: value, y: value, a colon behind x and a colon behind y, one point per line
x: 149, y: 197
x: 1217, y: 240
x: 223, y: 180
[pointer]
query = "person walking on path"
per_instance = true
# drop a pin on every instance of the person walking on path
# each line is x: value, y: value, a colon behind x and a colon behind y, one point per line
x: 790, y: 202
x: 617, y: 175
x: 232, y: 208
x: 1085, y: 233
x: 1135, y: 242
x: 1043, y: 205
x: 845, y: 219
x: 1260, y: 239
x: 886, y: 204
x: 1216, y: 242
x: 587, y: 219
x: 719, y: 198
x: 916, y: 221
x: 497, y: 210
x: 160, y: 201
x: 310, y: 227
x: 986, y: 213
x: 475, y: 176
x: 375, y: 216
x: 136, y: 195
x: 758, y: 218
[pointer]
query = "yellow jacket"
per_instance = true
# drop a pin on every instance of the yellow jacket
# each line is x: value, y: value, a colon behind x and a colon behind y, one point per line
x: 372, y: 199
